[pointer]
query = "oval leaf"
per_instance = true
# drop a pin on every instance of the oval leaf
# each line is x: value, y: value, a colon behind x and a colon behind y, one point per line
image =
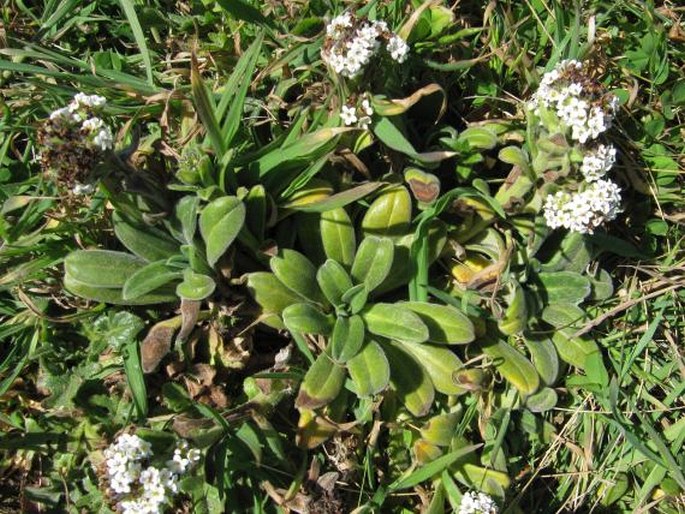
x: 564, y: 287
x: 337, y: 234
x: 297, y: 273
x: 186, y: 212
x: 270, y: 293
x: 149, y: 278
x: 542, y: 401
x: 389, y: 215
x: 321, y: 384
x: 102, y: 268
x: 369, y: 370
x: 446, y: 324
x: 115, y: 295
x: 573, y: 350
x: 440, y: 430
x: 513, y: 366
x: 145, y: 241
x: 220, y: 223
x: 334, y: 281
x: 545, y: 358
x: 195, y: 286
x: 307, y: 319
x: 373, y: 261
x: 348, y: 337
x: 441, y: 364
x: 395, y: 322
x: 410, y: 379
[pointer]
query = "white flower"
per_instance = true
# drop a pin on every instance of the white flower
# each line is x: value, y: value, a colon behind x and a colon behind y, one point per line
x: 351, y: 43
x: 82, y: 100
x: 398, y: 48
x: 575, y: 107
x: 338, y: 25
x: 348, y: 115
x: 597, y: 162
x: 366, y: 106
x: 586, y: 210
x: 477, y: 503
x: 147, y: 490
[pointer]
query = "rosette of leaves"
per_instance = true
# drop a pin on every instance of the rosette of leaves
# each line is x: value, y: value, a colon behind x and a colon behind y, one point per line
x: 164, y: 263
x: 373, y: 343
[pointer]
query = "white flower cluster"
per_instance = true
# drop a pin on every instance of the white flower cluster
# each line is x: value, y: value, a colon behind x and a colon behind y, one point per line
x: 566, y: 90
x: 477, y: 503
x: 585, y: 210
x: 351, y: 43
x: 597, y: 161
x: 361, y: 115
x: 93, y: 128
x: 148, y: 490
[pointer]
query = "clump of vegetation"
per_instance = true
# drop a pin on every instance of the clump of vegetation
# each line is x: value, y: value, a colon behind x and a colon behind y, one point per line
x: 321, y: 258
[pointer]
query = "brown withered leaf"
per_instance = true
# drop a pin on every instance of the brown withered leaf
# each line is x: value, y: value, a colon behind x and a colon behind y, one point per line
x: 189, y: 427
x: 156, y: 345
x: 189, y: 312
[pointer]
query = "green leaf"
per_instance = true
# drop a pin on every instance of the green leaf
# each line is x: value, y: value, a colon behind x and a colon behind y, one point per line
x: 238, y: 85
x: 395, y: 321
x: 306, y: 148
x: 338, y: 200
x: 373, y: 261
x: 134, y: 376
x: 115, y: 295
x: 564, y: 287
x: 542, y: 401
x: 489, y: 481
x: 446, y: 324
x: 195, y: 286
x: 337, y: 235
x: 242, y: 10
x: 220, y: 223
x: 186, y: 210
x: 101, y: 268
x: 386, y: 131
x: 389, y: 215
x: 513, y: 366
x: 115, y: 329
x: 206, y: 108
x: 145, y: 241
x: 479, y: 138
x: 334, y: 281
x: 369, y: 370
x: 270, y: 293
x: 545, y: 358
x: 256, y: 207
x: 297, y: 273
x: 561, y: 315
x: 440, y: 363
x: 515, y: 318
x: 355, y: 298
x: 515, y: 156
x: 307, y: 319
x: 348, y: 337
x: 149, y: 278
x: 441, y: 429
x: 321, y: 384
x: 138, y: 34
x: 410, y: 379
x: 573, y: 350
x: 431, y: 469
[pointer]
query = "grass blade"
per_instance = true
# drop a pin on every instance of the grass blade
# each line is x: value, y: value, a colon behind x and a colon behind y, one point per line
x: 134, y: 376
x: 130, y: 12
